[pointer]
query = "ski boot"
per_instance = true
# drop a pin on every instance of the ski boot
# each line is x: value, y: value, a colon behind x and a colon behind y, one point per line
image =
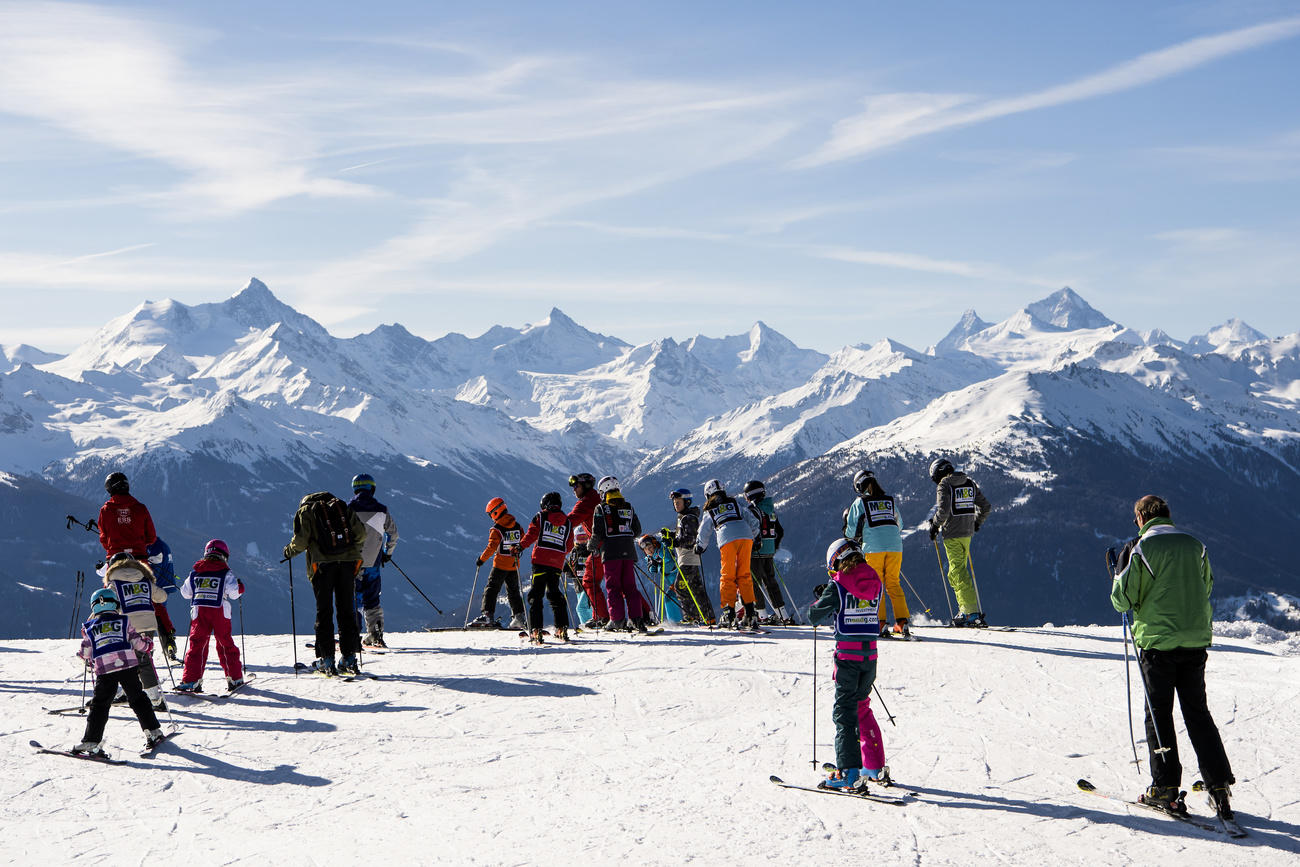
x: 325, y: 667
x: 877, y: 775
x: 535, y: 636
x: 976, y: 620
x: 155, y: 696
x: 562, y: 634
x: 961, y: 620
x: 234, y: 683
x: 1166, y: 798
x: 750, y: 620
x: 842, y: 779
x: 89, y: 748
x: 728, y: 618
x: 901, y: 629
x: 517, y: 622
x: 153, y: 738
x: 348, y: 664
x: 640, y: 625
x: 1218, y: 799
x: 169, y: 647
x: 190, y: 686
x: 374, y: 639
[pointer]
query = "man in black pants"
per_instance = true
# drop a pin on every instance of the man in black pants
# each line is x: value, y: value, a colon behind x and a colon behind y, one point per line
x: 1164, y: 578
x: 333, y: 536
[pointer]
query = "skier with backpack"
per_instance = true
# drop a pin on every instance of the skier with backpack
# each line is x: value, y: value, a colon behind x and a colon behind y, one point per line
x: 504, y: 547
x: 381, y: 540
x: 210, y: 587
x: 762, y: 559
x: 851, y: 598
x: 552, y: 531
x: 682, y: 540
x: 614, y: 530
x: 960, y: 509
x: 110, y: 645
x: 138, y: 596
x: 872, y: 521
x: 332, y: 536
x: 735, y: 526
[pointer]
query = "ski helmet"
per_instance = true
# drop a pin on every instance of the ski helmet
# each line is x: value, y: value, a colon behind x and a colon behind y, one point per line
x: 754, y: 490
x: 496, y: 507
x: 860, y: 480
x: 217, y: 548
x: 838, y: 550
x: 586, y: 479
x: 940, y: 468
x: 581, y: 534
x: 116, y: 483
x: 104, y: 601
x: 683, y: 493
x: 363, y: 482
x: 606, y: 484
x: 121, y: 557
x: 647, y: 539
x: 713, y: 486
x: 551, y: 501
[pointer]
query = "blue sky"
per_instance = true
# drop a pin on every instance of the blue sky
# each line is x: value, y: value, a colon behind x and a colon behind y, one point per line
x: 844, y: 173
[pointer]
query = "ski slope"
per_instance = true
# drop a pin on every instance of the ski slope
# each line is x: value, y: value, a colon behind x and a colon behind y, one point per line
x: 476, y: 748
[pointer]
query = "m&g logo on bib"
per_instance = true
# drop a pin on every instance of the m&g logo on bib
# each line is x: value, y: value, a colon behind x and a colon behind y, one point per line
x: 963, y: 498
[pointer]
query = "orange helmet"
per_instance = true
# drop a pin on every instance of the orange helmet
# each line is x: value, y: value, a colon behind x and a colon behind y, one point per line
x: 496, y: 507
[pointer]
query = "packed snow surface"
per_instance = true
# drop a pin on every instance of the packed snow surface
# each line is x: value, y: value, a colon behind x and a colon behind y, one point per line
x: 477, y: 748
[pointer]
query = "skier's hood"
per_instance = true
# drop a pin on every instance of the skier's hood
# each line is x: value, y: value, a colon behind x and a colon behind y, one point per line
x: 859, y: 581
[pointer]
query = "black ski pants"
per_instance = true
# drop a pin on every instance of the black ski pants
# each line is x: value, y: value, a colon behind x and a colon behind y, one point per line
x: 694, y: 593
x: 105, y: 690
x: 333, y: 585
x: 1181, y: 671
x: 547, y: 582
x: 510, y: 578
x: 763, y: 570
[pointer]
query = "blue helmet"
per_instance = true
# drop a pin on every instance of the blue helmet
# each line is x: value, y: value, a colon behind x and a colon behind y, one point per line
x: 104, y: 601
x: 363, y: 482
x: 684, y: 493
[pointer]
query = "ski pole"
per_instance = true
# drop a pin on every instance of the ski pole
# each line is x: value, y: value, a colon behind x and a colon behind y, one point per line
x: 943, y: 579
x: 659, y: 588
x: 76, y: 601
x: 698, y: 610
x: 926, y: 608
x: 293, y: 621
x: 84, y: 669
x: 970, y: 566
x: 417, y: 589
x: 472, y: 590
x: 1128, y: 696
x: 883, y: 706
x: 814, y: 701
x: 794, y: 608
x: 243, y: 649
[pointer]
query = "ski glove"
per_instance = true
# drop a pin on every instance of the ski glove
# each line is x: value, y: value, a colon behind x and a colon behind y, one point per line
x: 385, y: 557
x: 699, y: 549
x: 934, y: 531
x: 287, y: 552
x: 239, y: 584
x: 819, y: 590
x: 478, y: 564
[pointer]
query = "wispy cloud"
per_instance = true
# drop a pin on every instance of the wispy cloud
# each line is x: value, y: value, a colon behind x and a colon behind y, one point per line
x: 891, y: 119
x: 1275, y: 157
x: 974, y: 270
x: 116, y: 80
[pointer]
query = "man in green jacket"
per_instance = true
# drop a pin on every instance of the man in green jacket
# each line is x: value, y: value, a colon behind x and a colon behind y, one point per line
x: 1164, y: 578
x: 333, y: 536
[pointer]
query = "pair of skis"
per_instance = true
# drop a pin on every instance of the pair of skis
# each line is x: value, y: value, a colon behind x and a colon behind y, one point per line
x: 1216, y: 825
x: 861, y: 792
x: 346, y: 678
x: 216, y: 696
x: 104, y: 759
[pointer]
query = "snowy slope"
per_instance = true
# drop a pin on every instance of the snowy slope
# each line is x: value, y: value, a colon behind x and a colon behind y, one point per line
x: 473, y: 750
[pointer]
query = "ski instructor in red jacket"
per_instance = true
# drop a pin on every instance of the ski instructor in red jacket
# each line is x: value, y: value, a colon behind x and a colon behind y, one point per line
x: 124, y: 522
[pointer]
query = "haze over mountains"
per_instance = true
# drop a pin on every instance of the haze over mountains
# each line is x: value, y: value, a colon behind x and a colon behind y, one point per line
x: 225, y: 414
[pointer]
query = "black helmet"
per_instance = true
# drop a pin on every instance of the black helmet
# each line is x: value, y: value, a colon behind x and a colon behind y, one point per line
x: 363, y: 482
x: 551, y: 501
x: 860, y: 480
x: 940, y: 468
x: 754, y: 490
x: 116, y: 483
x: 586, y: 479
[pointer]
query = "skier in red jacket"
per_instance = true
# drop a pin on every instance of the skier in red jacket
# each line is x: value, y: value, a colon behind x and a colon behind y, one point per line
x: 552, y: 531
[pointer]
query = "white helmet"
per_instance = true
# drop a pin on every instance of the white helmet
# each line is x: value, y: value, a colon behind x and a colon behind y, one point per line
x: 606, y: 484
x: 838, y: 550
x: 713, y: 486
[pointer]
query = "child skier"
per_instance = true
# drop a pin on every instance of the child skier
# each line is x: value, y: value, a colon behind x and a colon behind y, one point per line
x: 552, y: 530
x: 735, y: 526
x: 663, y: 573
x: 851, y: 599
x: 164, y: 575
x: 381, y: 541
x: 872, y: 521
x: 504, y: 548
x: 576, y: 566
x: 614, y: 530
x: 210, y: 587
x: 137, y: 594
x: 109, y: 646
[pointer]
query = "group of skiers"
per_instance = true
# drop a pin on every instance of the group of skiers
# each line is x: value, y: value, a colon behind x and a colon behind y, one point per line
x: 1163, y: 578
x: 596, y: 544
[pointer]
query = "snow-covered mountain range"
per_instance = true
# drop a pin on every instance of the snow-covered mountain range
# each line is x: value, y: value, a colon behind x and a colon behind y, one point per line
x: 225, y: 414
